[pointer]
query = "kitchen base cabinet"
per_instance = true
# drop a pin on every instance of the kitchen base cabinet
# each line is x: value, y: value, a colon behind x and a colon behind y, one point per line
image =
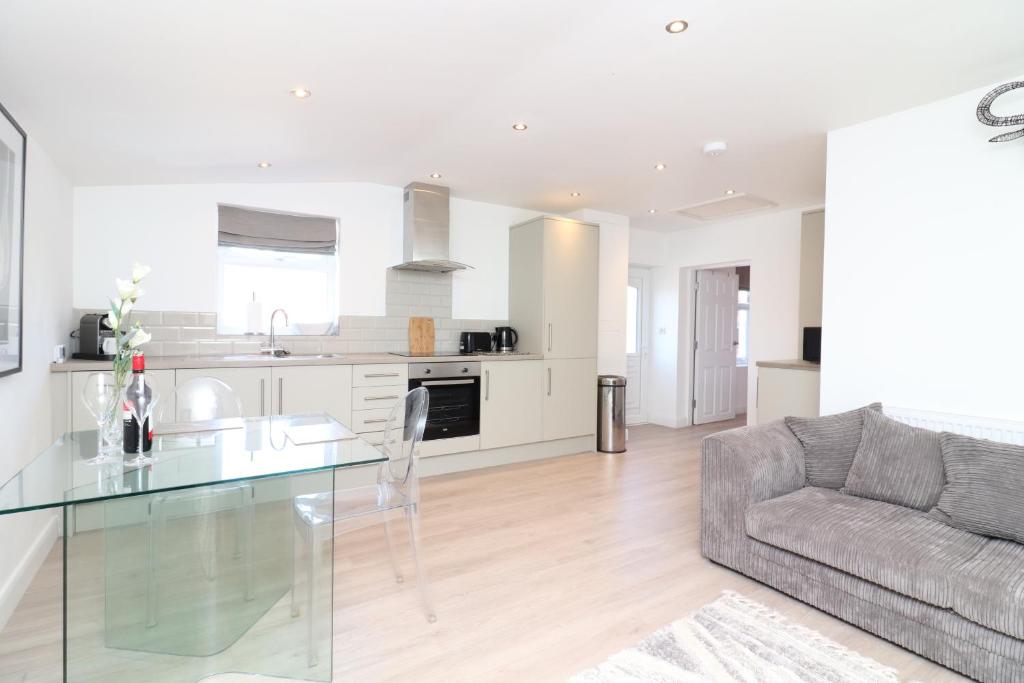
x: 510, y: 413
x: 251, y: 385
x: 570, y: 397
x: 313, y: 389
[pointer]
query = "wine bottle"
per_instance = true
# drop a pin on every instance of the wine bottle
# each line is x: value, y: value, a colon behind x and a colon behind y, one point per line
x: 138, y: 390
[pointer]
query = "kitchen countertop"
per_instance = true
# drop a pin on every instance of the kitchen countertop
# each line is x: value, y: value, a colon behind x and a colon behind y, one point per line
x: 795, y: 364
x: 256, y: 361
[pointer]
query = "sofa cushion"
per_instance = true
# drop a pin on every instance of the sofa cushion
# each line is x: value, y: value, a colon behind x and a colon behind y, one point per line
x: 989, y: 590
x: 984, y: 490
x: 895, y: 547
x: 830, y: 444
x: 897, y: 464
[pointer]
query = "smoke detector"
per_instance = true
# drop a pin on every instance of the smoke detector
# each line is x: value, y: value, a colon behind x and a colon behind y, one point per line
x: 725, y: 207
x: 715, y: 148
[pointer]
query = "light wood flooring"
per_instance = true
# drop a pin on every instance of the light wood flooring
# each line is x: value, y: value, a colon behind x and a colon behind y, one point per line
x: 538, y: 570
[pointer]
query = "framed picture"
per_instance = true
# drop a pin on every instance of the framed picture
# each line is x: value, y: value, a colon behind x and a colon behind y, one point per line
x: 12, y: 242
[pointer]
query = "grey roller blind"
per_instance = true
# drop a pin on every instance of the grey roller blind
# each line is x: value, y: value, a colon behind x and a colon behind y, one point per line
x: 256, y: 229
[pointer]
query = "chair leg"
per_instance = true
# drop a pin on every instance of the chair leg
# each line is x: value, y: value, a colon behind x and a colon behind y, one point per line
x: 311, y: 594
x: 297, y: 548
x: 391, y: 547
x: 413, y: 517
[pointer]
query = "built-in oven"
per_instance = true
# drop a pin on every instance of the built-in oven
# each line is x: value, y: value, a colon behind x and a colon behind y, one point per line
x: 454, y: 389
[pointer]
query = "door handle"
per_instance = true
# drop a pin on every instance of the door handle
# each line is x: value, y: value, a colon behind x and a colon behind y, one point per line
x: 280, y: 395
x: 263, y: 397
x: 487, y: 385
x: 549, y: 336
x: 549, y: 381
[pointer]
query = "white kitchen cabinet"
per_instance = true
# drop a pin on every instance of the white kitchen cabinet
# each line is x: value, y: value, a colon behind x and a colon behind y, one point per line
x: 553, y: 272
x: 510, y: 409
x: 313, y: 389
x: 570, y: 397
x: 251, y: 385
x: 162, y: 382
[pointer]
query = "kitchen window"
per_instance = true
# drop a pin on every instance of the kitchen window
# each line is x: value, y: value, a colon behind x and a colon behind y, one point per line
x: 268, y: 260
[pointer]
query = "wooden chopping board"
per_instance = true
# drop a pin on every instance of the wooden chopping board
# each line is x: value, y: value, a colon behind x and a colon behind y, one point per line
x: 421, y: 336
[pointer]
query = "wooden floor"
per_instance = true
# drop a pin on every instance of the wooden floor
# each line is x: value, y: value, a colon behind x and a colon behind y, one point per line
x: 542, y: 569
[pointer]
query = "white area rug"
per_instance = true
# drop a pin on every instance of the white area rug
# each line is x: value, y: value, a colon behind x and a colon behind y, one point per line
x: 736, y: 639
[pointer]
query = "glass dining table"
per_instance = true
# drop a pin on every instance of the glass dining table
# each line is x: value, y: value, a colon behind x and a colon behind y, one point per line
x: 181, y: 569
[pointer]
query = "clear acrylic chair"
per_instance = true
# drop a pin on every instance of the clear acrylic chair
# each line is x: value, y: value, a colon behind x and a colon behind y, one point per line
x: 397, y: 488
x: 201, y: 404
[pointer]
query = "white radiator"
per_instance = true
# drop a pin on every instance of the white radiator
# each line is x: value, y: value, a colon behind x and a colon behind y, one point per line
x: 980, y: 427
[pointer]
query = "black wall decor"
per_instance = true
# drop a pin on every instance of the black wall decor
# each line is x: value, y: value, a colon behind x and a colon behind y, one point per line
x: 986, y: 116
x: 12, y: 242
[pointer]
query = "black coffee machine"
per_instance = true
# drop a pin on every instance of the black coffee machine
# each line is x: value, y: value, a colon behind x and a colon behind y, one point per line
x: 505, y: 339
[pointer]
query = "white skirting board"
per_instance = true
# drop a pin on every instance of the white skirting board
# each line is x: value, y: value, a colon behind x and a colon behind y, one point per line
x: 1006, y: 431
x: 18, y: 582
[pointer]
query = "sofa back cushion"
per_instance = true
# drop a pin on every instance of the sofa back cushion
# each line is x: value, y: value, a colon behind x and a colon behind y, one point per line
x: 897, y: 464
x: 830, y: 444
x: 984, y: 490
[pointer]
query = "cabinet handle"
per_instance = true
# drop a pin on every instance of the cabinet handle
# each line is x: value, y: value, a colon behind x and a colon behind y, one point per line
x: 375, y: 420
x: 382, y: 374
x: 549, y: 336
x: 549, y: 381
x: 487, y: 385
x: 263, y: 397
x: 280, y: 395
x: 379, y: 398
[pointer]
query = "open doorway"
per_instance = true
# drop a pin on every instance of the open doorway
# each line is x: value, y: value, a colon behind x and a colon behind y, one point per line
x: 637, y: 345
x: 721, y: 343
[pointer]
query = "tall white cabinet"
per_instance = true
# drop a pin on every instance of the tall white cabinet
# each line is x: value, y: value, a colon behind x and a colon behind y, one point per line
x: 553, y: 283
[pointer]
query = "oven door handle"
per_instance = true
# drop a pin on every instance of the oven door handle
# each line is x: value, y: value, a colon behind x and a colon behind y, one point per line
x: 446, y: 382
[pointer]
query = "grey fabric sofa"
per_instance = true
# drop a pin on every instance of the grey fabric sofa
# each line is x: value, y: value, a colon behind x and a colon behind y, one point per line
x: 949, y: 595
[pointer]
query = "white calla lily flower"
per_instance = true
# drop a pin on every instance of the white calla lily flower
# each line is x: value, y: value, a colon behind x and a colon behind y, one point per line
x: 126, y: 308
x: 112, y: 321
x: 139, y: 271
x: 126, y: 290
x: 139, y: 338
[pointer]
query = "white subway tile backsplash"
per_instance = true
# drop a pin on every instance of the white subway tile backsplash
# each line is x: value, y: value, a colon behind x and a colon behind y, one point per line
x: 181, y: 319
x: 214, y: 348
x: 180, y: 348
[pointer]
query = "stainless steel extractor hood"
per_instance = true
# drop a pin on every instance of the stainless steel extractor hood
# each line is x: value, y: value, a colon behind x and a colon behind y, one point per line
x: 426, y: 230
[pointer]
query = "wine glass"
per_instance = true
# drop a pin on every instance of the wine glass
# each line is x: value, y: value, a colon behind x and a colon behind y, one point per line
x: 141, y: 407
x: 101, y: 399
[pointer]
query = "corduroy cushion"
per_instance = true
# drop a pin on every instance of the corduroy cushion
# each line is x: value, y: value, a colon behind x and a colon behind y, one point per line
x: 984, y: 490
x: 989, y: 590
x: 897, y: 464
x: 830, y: 444
x: 903, y: 550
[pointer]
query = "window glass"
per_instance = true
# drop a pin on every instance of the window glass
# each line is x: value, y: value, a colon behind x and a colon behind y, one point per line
x: 632, y: 318
x: 304, y: 285
x: 743, y: 297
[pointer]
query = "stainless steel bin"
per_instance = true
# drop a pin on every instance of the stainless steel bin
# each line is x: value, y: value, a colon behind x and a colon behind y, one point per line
x: 611, y: 414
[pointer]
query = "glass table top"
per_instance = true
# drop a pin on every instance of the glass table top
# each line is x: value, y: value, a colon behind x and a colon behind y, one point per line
x: 256, y: 449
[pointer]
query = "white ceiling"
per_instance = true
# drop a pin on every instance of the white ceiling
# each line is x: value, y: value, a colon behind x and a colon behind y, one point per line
x: 141, y: 91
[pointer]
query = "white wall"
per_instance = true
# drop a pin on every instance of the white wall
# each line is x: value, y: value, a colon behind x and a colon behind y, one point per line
x: 924, y: 237
x: 770, y: 243
x: 173, y: 228
x: 26, y: 399
x: 613, y: 278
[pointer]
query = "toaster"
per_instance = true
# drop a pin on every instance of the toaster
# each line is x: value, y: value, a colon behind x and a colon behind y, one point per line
x: 474, y: 342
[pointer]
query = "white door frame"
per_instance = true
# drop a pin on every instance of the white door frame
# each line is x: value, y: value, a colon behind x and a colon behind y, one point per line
x: 644, y: 275
x: 688, y: 303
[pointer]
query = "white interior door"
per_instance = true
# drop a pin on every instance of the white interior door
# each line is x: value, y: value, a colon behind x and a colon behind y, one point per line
x: 714, y: 354
x: 637, y: 316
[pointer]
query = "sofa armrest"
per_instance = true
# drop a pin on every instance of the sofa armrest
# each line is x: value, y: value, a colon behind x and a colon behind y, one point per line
x: 740, y: 467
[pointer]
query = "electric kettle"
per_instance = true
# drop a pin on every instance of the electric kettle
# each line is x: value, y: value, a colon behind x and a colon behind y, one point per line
x: 505, y: 339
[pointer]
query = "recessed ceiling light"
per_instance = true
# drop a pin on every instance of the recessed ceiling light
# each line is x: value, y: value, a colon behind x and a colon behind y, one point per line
x: 574, y: 194
x: 677, y: 26
x: 730, y: 192
x: 435, y: 176
x: 264, y: 164
x: 519, y: 125
x: 652, y: 211
x: 301, y: 93
x: 715, y: 148
x: 660, y: 167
